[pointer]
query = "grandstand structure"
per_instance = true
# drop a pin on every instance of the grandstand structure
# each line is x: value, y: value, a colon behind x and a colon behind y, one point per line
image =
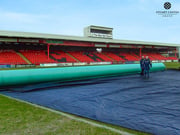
x: 25, y: 48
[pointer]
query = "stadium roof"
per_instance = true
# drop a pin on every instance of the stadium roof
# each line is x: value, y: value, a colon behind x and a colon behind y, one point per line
x: 14, y: 34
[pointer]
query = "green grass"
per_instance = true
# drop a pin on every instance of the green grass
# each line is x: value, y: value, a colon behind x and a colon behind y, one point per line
x: 172, y: 65
x: 17, y: 118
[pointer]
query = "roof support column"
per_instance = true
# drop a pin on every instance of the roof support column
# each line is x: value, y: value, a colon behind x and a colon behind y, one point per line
x: 48, y: 45
x: 140, y: 52
x: 178, y: 51
x: 175, y: 53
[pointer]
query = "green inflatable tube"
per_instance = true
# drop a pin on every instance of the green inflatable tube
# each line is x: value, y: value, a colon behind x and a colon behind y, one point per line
x: 30, y: 76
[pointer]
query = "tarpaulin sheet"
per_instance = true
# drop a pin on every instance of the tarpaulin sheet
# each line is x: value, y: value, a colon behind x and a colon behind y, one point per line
x: 150, y: 105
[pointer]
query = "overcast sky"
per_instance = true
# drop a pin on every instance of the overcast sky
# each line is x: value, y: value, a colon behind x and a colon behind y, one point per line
x: 131, y: 19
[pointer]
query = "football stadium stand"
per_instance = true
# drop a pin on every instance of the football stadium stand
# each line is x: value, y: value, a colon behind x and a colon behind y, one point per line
x: 40, y: 56
x: 37, y: 48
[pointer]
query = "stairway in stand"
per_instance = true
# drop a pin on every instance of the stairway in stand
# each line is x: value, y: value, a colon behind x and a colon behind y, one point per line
x: 23, y: 57
x: 109, y: 57
x: 72, y: 56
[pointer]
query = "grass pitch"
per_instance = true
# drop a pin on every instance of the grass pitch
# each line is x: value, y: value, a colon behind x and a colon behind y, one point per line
x: 17, y: 118
x: 172, y: 65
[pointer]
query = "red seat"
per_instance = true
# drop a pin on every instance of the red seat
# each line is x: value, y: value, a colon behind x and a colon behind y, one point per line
x: 10, y: 57
x: 114, y: 56
x: 37, y: 57
x: 81, y: 56
x: 102, y: 56
x: 63, y: 55
x: 156, y: 56
x: 129, y: 56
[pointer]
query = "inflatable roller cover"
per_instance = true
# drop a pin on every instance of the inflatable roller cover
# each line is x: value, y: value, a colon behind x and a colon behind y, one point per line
x: 30, y: 76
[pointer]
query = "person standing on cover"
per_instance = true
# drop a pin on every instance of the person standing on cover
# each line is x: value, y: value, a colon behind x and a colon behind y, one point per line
x: 147, y: 65
x: 142, y: 65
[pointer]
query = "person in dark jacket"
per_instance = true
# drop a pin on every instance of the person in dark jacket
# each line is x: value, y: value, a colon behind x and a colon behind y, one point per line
x: 147, y: 65
x: 142, y: 65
